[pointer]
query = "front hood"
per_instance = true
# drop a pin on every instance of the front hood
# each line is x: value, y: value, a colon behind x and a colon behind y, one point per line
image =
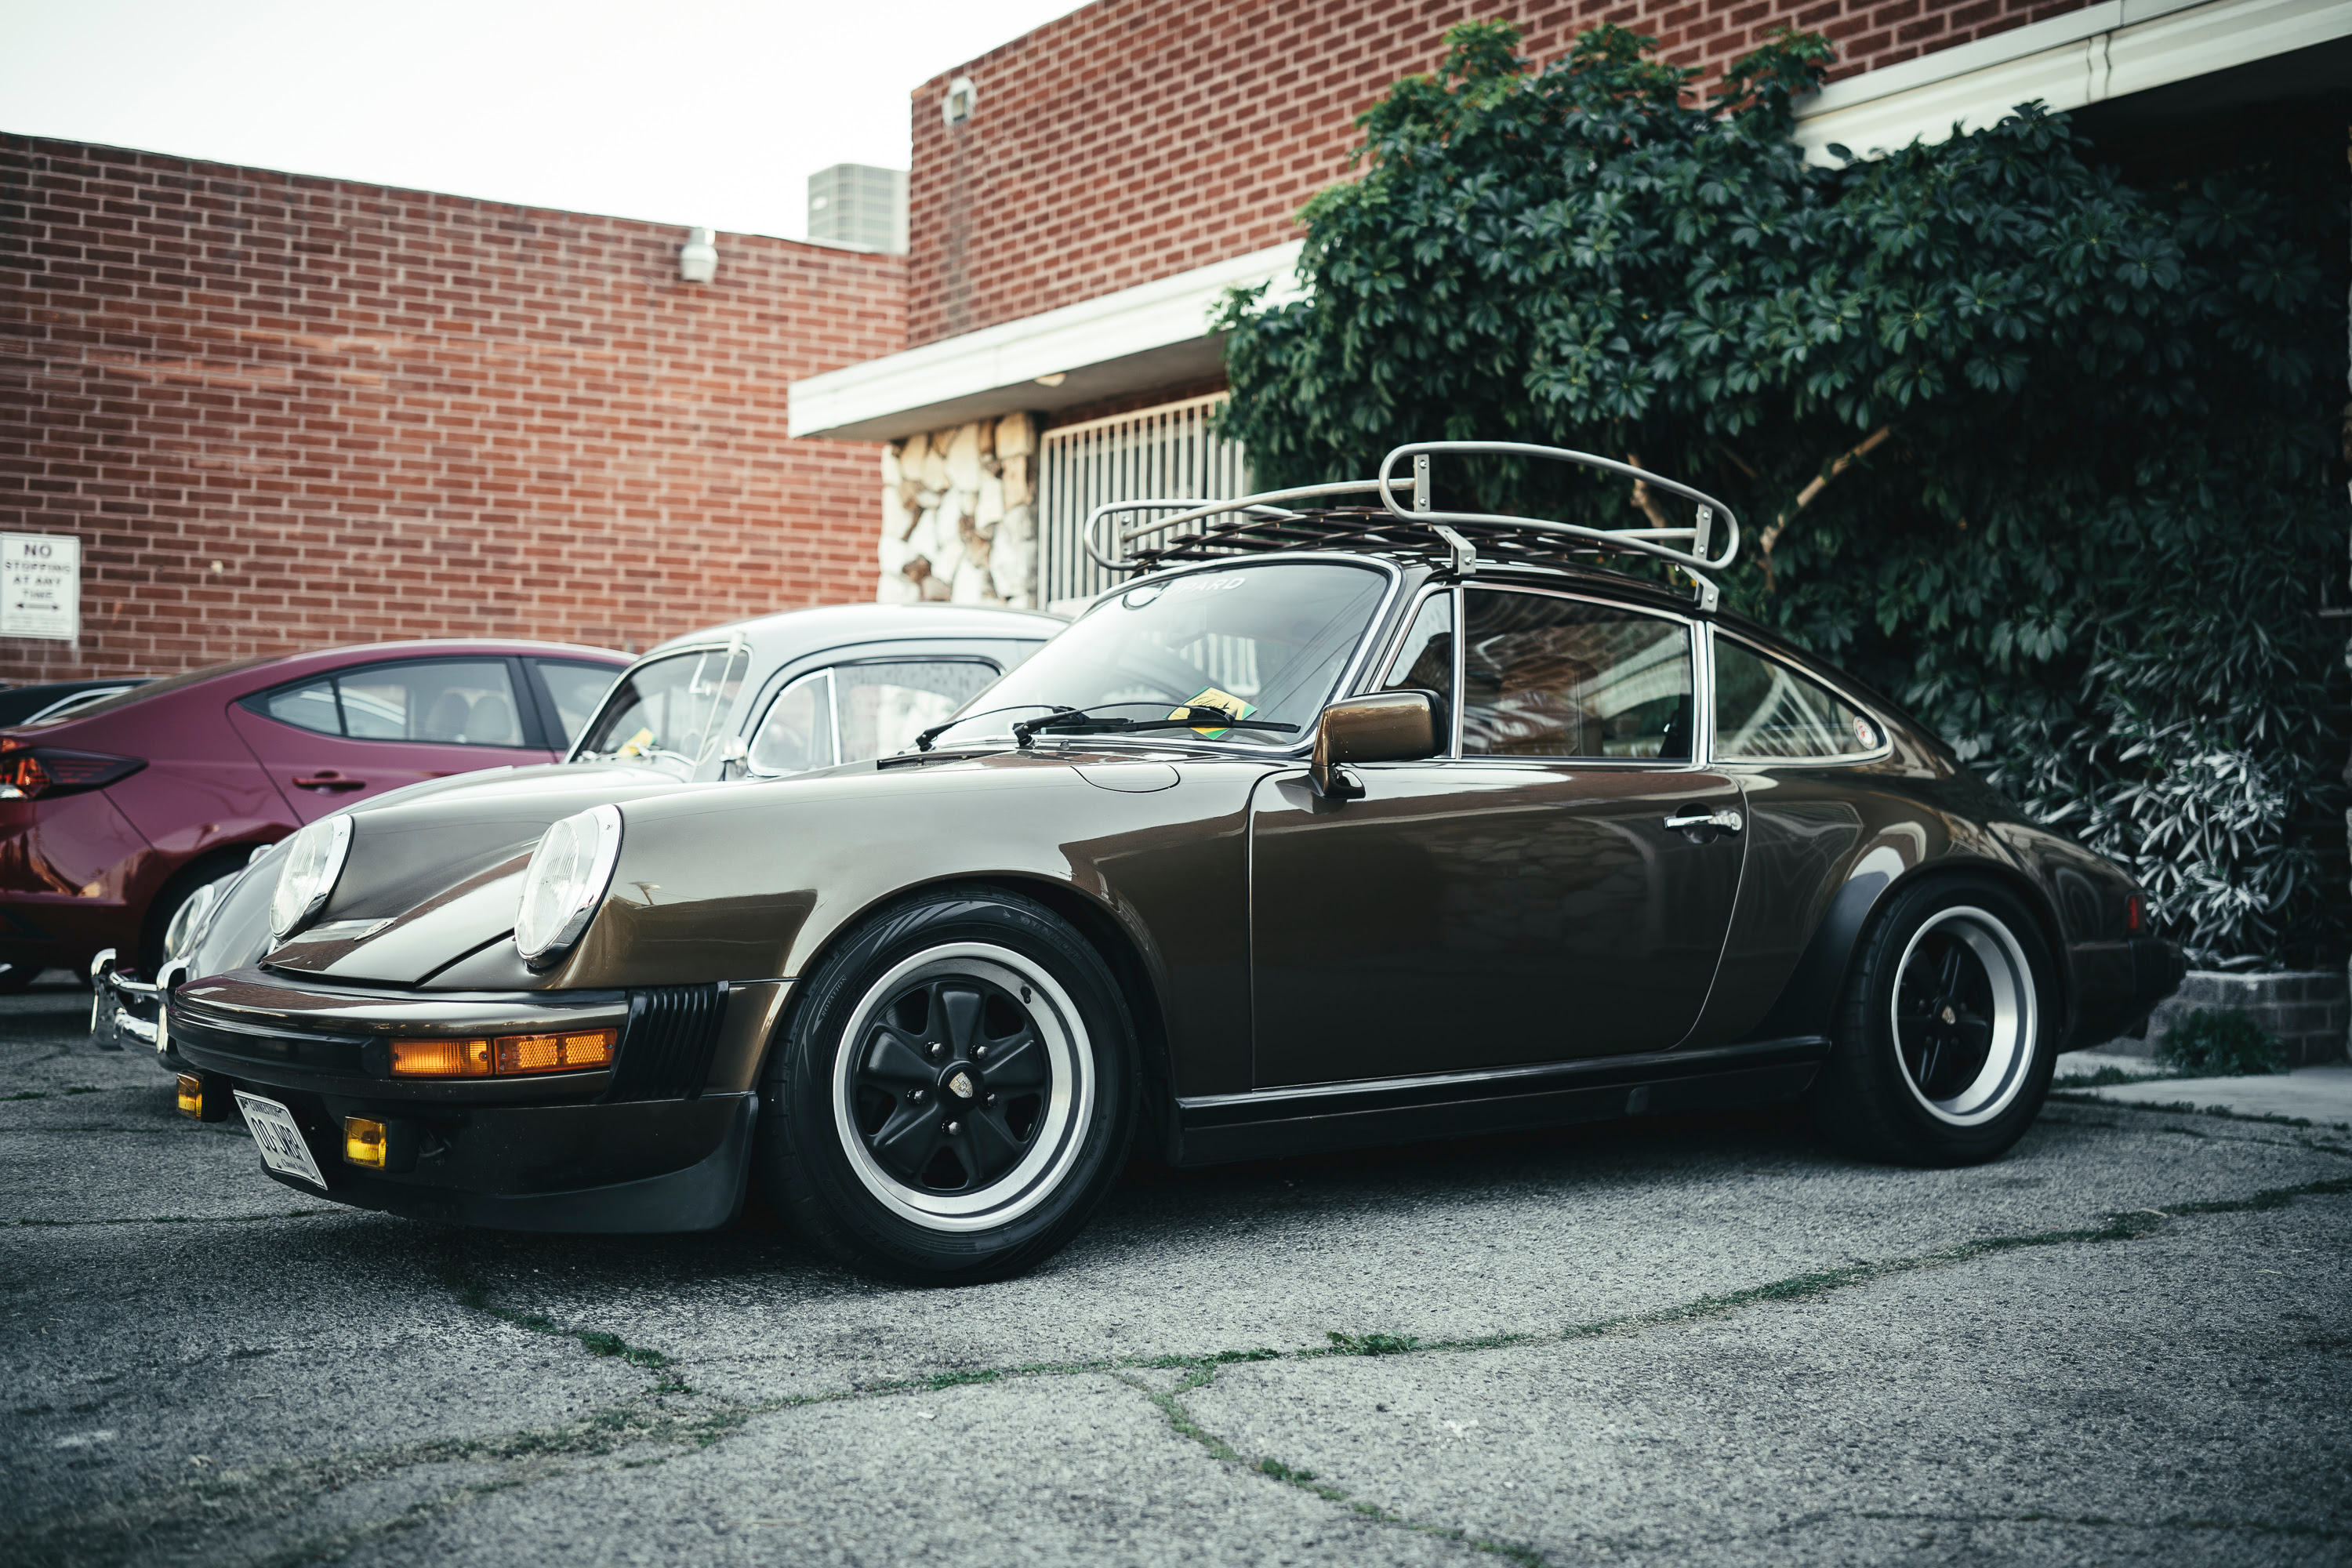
x: 427, y: 896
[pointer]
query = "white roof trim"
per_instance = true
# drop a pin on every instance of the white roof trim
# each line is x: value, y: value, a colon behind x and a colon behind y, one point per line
x: 1137, y: 338
x: 2086, y: 56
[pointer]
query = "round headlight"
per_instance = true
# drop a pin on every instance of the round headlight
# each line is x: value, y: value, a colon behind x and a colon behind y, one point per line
x: 314, y: 859
x: 565, y: 881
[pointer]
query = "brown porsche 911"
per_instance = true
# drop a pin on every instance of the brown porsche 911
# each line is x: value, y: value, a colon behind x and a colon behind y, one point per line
x: 1337, y: 824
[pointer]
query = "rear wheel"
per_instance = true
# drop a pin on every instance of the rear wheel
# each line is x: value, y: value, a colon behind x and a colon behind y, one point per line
x: 954, y: 1093
x: 1946, y: 1033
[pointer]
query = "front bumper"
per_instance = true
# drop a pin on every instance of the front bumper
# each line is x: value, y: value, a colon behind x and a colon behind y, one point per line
x: 659, y: 1142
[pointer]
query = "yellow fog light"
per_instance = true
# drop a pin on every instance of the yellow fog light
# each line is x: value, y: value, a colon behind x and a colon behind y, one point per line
x: 363, y: 1141
x: 192, y: 1096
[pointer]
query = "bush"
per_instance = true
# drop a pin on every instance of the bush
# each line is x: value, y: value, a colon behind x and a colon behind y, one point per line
x: 2207, y: 1044
x: 2045, y: 455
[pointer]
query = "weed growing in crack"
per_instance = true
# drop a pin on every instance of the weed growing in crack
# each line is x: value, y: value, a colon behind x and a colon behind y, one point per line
x: 1371, y: 1344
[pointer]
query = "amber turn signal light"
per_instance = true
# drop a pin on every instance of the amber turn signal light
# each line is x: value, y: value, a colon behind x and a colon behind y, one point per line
x: 363, y: 1141
x: 507, y: 1056
x: 440, y: 1059
x: 556, y: 1053
x: 192, y: 1096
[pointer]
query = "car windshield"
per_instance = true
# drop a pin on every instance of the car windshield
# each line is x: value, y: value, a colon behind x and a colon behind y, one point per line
x: 1264, y: 641
x: 670, y: 711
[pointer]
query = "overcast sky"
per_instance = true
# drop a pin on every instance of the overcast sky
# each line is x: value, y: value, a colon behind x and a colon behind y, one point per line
x: 688, y: 111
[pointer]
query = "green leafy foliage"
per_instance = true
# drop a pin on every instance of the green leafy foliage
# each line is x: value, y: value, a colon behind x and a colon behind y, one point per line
x: 2209, y: 1044
x: 2044, y: 454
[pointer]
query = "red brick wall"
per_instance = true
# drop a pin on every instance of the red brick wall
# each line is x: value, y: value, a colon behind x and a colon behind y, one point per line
x: 284, y: 412
x: 1136, y: 138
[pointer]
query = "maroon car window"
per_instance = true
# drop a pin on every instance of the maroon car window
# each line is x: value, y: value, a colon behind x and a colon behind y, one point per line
x: 306, y: 707
x: 576, y: 689
x: 446, y: 701
x: 459, y: 702
x: 1545, y: 677
x: 1765, y: 711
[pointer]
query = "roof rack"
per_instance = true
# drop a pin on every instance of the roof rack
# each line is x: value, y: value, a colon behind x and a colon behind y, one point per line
x: 1266, y: 522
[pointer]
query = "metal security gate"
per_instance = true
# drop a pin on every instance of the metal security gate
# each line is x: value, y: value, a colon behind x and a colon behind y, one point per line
x: 1163, y: 451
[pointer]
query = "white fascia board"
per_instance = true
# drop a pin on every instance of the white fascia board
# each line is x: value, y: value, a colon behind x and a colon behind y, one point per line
x: 2087, y: 56
x: 961, y: 377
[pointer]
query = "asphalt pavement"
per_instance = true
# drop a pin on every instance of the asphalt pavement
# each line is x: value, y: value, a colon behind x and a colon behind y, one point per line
x: 1690, y: 1341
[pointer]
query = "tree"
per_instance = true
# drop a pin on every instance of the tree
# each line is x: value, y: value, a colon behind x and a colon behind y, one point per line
x: 2045, y: 454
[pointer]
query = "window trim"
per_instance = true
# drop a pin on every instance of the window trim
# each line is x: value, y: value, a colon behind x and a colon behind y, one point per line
x: 1885, y: 749
x: 1702, y: 664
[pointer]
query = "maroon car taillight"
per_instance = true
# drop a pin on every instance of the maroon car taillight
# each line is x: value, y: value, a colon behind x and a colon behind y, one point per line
x: 29, y: 772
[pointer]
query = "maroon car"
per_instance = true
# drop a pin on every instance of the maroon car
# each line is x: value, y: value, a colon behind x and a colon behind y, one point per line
x: 113, y: 816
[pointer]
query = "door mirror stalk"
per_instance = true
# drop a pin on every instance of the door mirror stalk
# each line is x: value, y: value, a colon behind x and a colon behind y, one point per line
x: 1383, y: 727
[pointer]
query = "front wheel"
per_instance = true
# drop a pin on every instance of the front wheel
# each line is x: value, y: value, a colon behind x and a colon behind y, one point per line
x: 954, y: 1093
x: 1946, y: 1033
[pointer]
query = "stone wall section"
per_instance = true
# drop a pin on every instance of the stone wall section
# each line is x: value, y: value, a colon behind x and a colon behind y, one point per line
x: 1131, y: 141
x: 960, y: 515
x: 285, y: 412
x: 2309, y: 1010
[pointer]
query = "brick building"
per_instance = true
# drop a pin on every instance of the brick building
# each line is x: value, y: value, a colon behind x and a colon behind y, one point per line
x: 281, y: 411
x: 1082, y: 195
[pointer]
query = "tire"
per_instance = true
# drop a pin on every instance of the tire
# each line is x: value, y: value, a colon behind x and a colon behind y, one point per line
x: 1946, y: 1032
x: 887, y: 1047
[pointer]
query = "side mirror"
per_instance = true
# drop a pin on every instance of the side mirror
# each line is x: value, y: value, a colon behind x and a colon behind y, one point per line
x: 734, y: 759
x: 1385, y: 727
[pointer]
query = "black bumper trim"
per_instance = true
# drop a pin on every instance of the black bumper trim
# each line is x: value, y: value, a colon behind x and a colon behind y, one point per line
x: 704, y: 1195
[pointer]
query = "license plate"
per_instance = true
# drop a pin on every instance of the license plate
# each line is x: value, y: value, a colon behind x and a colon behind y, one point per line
x: 279, y: 1138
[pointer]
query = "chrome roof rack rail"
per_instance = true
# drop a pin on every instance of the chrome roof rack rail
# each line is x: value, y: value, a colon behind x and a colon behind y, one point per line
x: 1269, y: 521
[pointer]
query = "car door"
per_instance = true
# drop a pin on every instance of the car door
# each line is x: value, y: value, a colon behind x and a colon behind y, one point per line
x: 329, y: 740
x: 1558, y: 886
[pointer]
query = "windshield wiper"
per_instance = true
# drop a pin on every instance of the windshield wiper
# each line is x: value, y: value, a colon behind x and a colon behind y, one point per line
x: 923, y: 741
x: 1074, y: 722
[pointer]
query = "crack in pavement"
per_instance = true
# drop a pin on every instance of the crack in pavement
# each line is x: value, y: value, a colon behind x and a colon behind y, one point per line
x: 112, y: 1531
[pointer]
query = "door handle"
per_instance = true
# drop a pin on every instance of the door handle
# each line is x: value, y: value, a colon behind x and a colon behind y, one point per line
x: 1723, y: 821
x: 331, y: 780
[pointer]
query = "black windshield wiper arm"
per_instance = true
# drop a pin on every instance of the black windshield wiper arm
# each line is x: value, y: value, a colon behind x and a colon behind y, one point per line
x: 923, y: 741
x: 1072, y: 723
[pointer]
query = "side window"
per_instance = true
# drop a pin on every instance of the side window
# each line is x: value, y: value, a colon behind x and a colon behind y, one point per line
x: 452, y: 703
x: 880, y: 709
x: 795, y: 734
x: 574, y: 690
x: 1765, y: 711
x: 1545, y: 677
x: 1425, y: 662
x: 308, y: 707
x: 673, y: 706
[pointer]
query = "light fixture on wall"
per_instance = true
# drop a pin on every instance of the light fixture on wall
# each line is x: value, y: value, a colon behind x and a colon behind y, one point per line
x: 697, y: 259
x: 1055, y: 379
x: 957, y: 107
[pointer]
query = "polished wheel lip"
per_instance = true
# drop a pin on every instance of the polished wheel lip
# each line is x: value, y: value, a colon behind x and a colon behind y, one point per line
x: 1067, y: 1111
x: 2016, y: 1016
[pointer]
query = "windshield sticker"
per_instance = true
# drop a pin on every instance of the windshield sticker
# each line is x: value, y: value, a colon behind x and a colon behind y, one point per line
x: 639, y: 745
x: 1213, y: 698
x: 1215, y: 583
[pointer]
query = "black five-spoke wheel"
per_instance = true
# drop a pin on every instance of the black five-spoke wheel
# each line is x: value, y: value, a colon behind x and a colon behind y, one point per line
x: 1944, y: 1014
x: 951, y: 1082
